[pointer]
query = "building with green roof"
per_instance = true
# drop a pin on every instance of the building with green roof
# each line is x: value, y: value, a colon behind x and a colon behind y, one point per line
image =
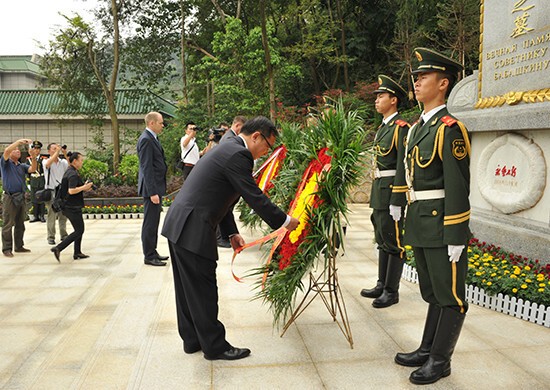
x: 28, y: 110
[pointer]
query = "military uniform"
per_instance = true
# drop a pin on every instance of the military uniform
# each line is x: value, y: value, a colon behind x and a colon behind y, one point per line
x: 37, y: 183
x: 438, y: 178
x: 388, y: 188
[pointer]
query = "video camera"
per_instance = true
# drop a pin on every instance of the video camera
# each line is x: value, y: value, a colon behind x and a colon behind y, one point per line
x: 215, y: 134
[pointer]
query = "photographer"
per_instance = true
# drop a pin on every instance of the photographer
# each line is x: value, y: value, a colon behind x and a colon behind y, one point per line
x: 189, y: 149
x: 14, y: 204
x: 214, y: 137
x: 72, y: 189
x: 54, y: 169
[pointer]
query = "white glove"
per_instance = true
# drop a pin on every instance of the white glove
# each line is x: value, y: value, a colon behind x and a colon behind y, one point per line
x: 395, y: 212
x: 454, y: 252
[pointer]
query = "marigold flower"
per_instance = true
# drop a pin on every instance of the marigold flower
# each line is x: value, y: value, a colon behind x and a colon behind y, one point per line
x: 514, y: 290
x: 493, y: 274
x: 542, y: 284
x: 524, y: 286
x: 489, y: 283
x: 541, y: 290
x: 517, y: 271
x: 478, y: 273
x: 527, y: 268
x: 513, y: 276
x: 528, y: 280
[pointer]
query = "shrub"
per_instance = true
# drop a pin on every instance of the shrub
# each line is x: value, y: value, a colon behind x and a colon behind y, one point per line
x: 129, y: 167
x: 93, y: 170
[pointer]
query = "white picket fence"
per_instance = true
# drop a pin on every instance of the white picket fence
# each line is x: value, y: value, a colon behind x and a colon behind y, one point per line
x: 532, y: 312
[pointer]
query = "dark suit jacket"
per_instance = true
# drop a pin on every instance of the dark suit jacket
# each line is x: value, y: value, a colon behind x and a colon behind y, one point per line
x: 152, y: 167
x: 205, y: 201
x: 228, y: 135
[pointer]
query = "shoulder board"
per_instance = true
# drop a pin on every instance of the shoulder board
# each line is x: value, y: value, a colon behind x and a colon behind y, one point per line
x: 449, y: 120
x: 401, y: 123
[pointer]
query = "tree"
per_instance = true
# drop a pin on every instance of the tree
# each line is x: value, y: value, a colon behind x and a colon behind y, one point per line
x: 80, y: 60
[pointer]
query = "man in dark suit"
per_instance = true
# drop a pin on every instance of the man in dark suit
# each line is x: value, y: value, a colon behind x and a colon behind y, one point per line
x: 151, y: 185
x: 236, y: 126
x: 215, y: 184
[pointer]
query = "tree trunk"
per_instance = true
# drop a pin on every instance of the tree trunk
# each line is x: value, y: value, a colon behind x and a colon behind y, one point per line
x: 112, y: 87
x: 183, y: 53
x: 343, y: 44
x: 220, y: 10
x: 269, y: 67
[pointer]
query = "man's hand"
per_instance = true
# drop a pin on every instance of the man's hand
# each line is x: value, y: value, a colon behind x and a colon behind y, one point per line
x: 236, y: 241
x: 24, y: 141
x: 395, y: 212
x: 454, y: 252
x: 293, y: 224
x: 87, y: 186
x: 155, y: 199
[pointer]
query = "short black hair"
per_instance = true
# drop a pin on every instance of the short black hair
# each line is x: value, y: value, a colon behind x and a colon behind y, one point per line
x: 189, y: 123
x: 261, y: 124
x: 452, y: 80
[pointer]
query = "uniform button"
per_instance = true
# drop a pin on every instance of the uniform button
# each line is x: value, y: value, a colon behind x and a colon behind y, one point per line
x: 420, y: 158
x: 434, y: 213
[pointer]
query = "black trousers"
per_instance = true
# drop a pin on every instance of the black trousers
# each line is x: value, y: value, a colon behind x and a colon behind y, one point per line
x: 74, y: 215
x: 186, y: 171
x: 150, y: 227
x: 197, y: 301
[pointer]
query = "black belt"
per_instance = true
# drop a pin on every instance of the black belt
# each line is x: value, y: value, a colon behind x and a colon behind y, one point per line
x: 12, y: 193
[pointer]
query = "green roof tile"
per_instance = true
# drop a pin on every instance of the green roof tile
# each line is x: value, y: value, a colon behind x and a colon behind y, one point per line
x: 45, y: 102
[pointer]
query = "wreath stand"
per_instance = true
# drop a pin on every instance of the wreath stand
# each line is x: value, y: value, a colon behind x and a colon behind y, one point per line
x: 327, y: 287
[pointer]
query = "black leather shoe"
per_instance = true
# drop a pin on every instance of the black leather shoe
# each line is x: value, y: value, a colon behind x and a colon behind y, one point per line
x: 7, y: 253
x: 191, y: 348
x: 162, y: 258
x: 55, y: 250
x: 386, y: 299
x: 79, y: 256
x: 51, y: 241
x: 231, y: 354
x: 34, y: 219
x: 155, y: 262
x: 22, y: 250
x: 374, y: 292
x: 42, y: 219
x: 223, y: 243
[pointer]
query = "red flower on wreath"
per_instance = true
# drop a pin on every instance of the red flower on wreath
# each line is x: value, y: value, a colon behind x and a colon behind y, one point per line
x: 306, y: 198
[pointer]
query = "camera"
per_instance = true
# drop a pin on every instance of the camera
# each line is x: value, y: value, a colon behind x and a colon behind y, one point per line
x: 215, y: 134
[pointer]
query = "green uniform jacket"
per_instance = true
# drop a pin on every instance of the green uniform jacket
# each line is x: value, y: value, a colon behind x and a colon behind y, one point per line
x: 389, y: 152
x: 438, y: 157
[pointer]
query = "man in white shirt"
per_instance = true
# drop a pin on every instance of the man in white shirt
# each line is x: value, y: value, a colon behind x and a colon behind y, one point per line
x: 189, y: 149
x: 54, y: 169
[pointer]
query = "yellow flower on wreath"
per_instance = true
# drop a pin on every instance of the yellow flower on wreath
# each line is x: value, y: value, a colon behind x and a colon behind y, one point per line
x: 304, y: 201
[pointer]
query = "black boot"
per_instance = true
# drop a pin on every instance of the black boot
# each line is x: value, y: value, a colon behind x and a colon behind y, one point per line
x: 382, y: 270
x: 420, y: 356
x: 439, y: 363
x: 390, y: 295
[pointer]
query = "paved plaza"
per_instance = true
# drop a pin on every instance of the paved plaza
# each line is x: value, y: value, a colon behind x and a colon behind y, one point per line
x: 109, y: 322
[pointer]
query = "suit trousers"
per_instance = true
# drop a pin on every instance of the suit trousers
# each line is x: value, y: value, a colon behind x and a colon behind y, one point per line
x: 442, y: 282
x: 197, y: 301
x: 75, y: 216
x: 14, y: 221
x: 150, y: 227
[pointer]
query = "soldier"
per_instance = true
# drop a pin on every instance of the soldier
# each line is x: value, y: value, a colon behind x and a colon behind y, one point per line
x: 388, y: 193
x: 37, y: 183
x: 437, y: 169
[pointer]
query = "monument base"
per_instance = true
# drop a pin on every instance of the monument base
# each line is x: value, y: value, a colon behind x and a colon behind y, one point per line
x: 512, y: 233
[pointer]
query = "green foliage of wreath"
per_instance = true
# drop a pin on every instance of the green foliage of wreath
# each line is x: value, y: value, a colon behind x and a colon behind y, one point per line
x: 343, y: 133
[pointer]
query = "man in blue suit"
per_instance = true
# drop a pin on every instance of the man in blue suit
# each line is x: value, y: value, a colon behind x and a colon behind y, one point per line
x: 205, y: 201
x: 151, y: 185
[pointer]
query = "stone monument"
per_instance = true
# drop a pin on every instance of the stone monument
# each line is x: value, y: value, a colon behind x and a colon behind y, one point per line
x: 506, y: 107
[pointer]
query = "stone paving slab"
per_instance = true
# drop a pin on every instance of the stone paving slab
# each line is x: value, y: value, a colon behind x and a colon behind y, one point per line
x: 109, y: 322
